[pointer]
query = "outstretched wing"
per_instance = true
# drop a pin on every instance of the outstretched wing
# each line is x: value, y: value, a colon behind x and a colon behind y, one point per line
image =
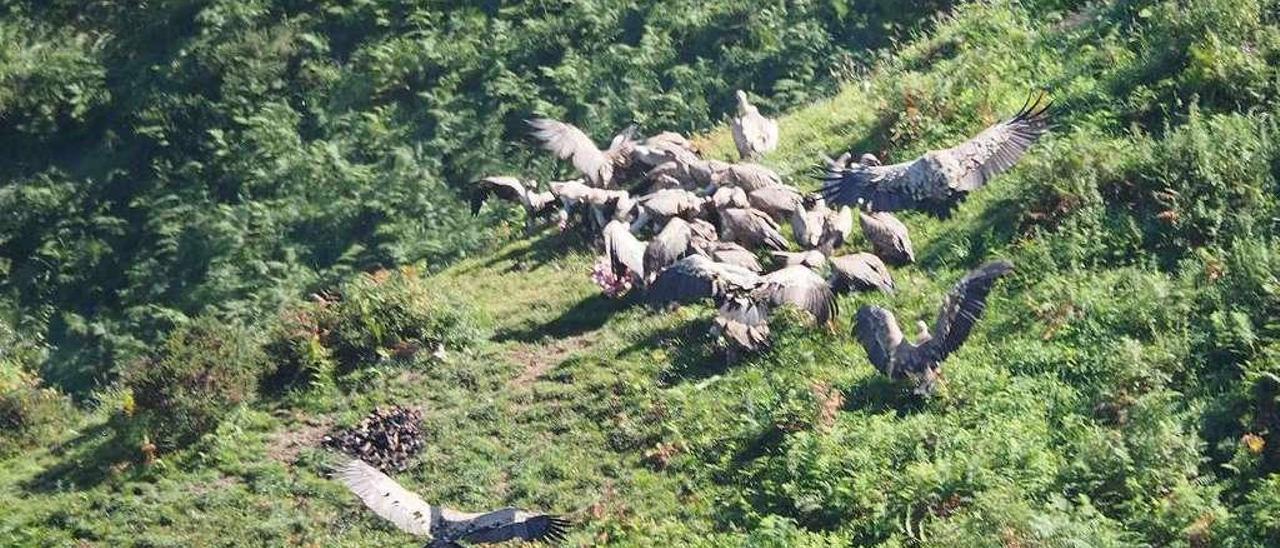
x: 998, y: 147
x: 878, y: 188
x: 878, y: 331
x: 568, y: 142
x: 743, y: 321
x: 387, y: 498
x: 963, y: 307
x: 511, y: 524
x: 936, y: 181
x: 506, y: 188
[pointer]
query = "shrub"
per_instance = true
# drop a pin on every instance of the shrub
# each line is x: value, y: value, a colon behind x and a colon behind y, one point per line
x: 391, y: 314
x: 198, y: 375
x: 29, y: 412
x: 386, y: 315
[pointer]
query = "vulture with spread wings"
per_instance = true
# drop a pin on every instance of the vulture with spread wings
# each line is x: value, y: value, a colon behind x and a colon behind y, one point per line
x: 512, y: 190
x: 441, y: 526
x: 878, y: 330
x: 568, y: 142
x: 937, y: 181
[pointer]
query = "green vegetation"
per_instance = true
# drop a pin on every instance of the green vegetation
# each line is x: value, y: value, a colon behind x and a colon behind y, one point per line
x: 1122, y: 389
x: 220, y: 157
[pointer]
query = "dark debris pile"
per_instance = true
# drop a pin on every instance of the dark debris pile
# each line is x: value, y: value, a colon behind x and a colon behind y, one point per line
x: 387, y: 439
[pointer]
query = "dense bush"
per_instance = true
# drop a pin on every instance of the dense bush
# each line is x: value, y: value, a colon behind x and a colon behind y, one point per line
x: 375, y: 317
x: 199, y: 374
x: 29, y: 412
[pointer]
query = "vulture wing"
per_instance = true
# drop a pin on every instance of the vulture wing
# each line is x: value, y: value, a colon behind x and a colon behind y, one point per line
x: 731, y: 253
x: 860, y: 271
x: 511, y: 524
x: 743, y: 321
x: 963, y: 307
x: 801, y: 287
x: 749, y: 177
x: 625, y: 251
x: 387, y: 498
x: 688, y: 280
x: 879, y: 188
x: 568, y: 142
x: 938, y: 180
x: 878, y: 331
x: 779, y: 201
x: 668, y: 246
x: 506, y: 188
x: 1000, y: 146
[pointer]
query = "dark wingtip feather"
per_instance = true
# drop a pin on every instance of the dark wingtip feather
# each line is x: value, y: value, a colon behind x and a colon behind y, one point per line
x: 557, y: 529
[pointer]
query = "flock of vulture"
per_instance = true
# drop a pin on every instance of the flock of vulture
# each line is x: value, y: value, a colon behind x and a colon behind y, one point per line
x: 708, y: 223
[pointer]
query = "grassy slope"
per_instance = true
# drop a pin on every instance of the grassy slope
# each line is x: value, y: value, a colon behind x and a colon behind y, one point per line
x: 629, y: 420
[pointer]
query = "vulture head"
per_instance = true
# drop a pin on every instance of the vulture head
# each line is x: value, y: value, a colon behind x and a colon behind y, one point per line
x: 743, y: 105
x: 810, y: 201
x: 868, y: 159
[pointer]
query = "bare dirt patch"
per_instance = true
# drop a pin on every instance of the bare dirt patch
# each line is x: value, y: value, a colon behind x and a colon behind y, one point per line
x: 286, y: 444
x: 537, y: 359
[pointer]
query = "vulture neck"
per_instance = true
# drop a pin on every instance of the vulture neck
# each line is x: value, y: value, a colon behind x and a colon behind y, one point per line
x: 924, y: 336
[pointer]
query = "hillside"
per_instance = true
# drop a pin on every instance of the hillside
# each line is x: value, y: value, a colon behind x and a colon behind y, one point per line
x: 1121, y: 390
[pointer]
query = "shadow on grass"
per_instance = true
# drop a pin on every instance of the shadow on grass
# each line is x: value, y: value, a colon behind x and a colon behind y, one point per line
x: 546, y: 246
x: 878, y: 394
x: 586, y: 316
x: 691, y: 357
x: 87, y: 461
x: 995, y: 226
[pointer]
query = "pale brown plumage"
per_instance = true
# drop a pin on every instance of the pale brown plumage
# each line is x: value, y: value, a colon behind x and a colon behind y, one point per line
x: 754, y: 134
x: 860, y: 272
x: 749, y: 177
x: 568, y: 142
x: 778, y: 201
x: 878, y: 331
x: 752, y: 228
x: 889, y: 238
x: 937, y: 181
x: 442, y: 526
x: 732, y: 253
x: 624, y: 250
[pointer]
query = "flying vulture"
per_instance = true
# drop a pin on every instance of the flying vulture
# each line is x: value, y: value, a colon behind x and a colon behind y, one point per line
x: 888, y: 236
x: 878, y: 330
x: 754, y: 134
x: 937, y: 181
x: 441, y: 526
x: 568, y: 142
